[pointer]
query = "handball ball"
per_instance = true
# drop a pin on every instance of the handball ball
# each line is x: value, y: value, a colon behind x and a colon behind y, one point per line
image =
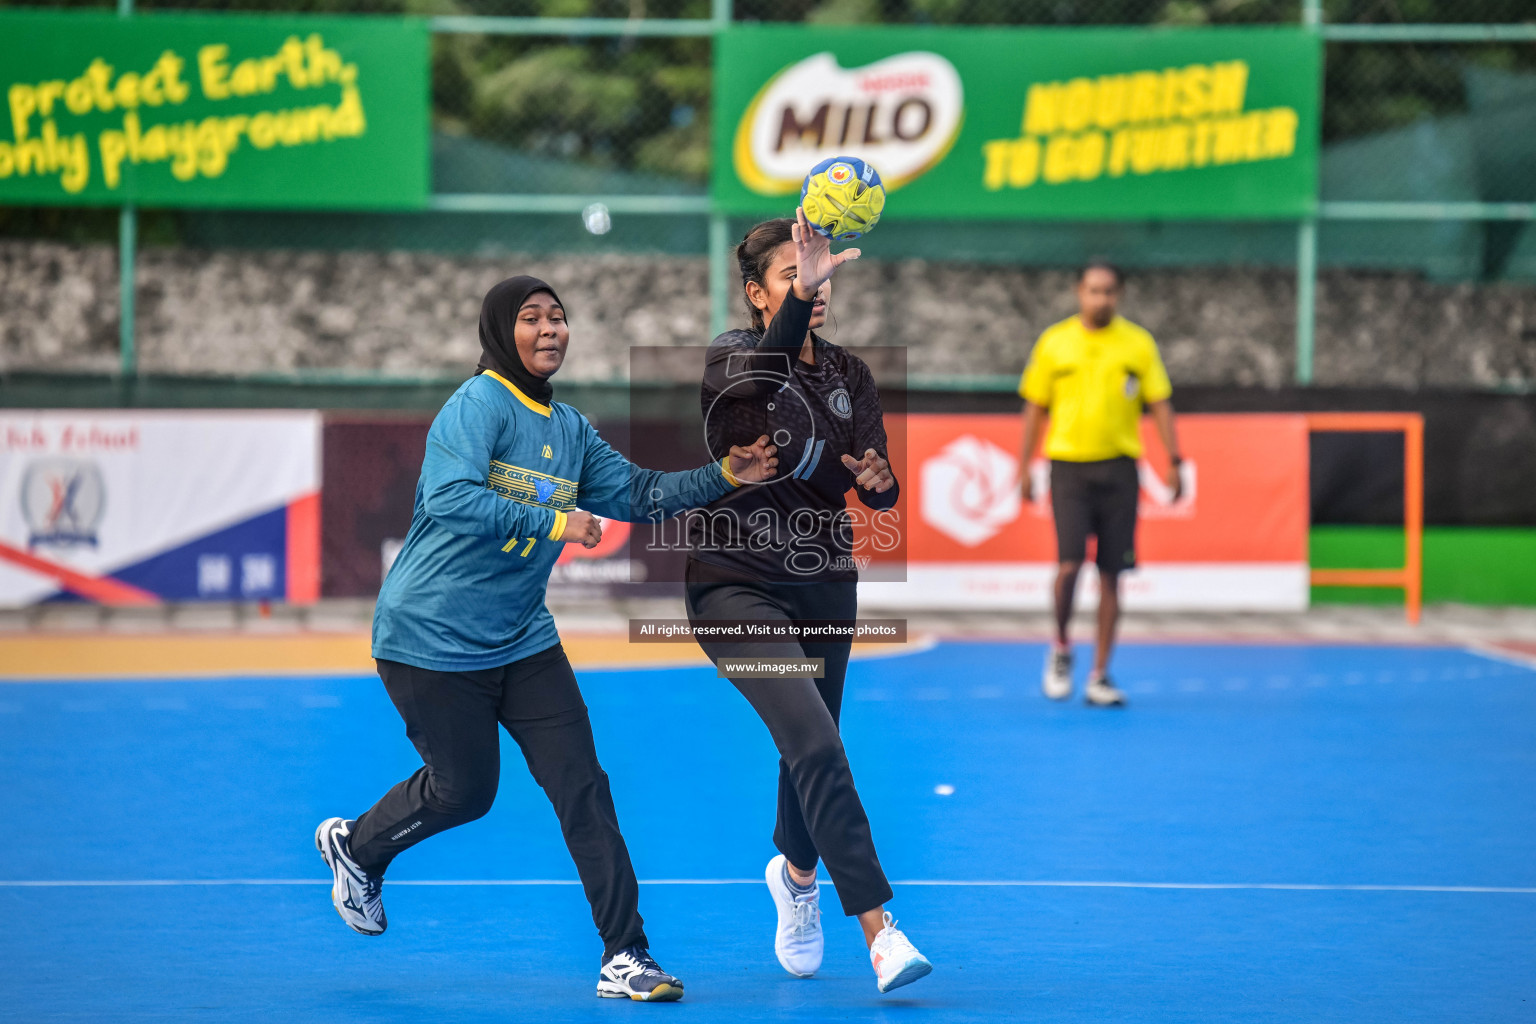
x: 842, y: 197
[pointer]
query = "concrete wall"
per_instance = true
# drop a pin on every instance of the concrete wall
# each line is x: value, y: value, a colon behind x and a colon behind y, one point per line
x: 236, y: 311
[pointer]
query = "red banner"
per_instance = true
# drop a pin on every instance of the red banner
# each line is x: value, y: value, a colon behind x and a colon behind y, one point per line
x: 1236, y: 538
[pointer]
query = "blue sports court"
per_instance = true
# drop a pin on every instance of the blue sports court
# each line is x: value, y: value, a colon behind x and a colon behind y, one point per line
x: 1268, y: 833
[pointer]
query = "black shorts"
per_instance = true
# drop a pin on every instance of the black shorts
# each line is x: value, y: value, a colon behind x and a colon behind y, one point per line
x: 1097, y: 498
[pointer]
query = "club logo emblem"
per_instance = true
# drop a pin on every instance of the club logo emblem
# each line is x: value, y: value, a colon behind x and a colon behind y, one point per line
x: 62, y: 501
x: 543, y: 488
x: 839, y: 401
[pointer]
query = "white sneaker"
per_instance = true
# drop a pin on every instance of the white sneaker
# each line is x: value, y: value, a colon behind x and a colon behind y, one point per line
x: 633, y: 974
x: 897, y: 962
x: 1056, y: 683
x: 356, y: 895
x: 798, y: 941
x: 1103, y: 693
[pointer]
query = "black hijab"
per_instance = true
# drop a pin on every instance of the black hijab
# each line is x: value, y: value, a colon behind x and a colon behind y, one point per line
x: 498, y: 345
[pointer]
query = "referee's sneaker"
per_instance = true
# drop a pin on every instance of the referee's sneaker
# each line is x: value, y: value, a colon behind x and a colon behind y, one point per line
x: 1091, y: 376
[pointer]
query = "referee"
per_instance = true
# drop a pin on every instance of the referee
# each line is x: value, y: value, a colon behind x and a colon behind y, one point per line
x: 1090, y: 376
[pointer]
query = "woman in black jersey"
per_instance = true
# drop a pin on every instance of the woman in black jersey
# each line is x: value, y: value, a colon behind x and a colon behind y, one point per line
x: 782, y: 552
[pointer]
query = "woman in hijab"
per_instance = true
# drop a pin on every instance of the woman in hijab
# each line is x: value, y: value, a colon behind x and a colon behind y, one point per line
x: 464, y: 642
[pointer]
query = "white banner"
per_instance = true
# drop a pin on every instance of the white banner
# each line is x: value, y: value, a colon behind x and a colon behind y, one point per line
x: 1026, y: 586
x: 134, y: 507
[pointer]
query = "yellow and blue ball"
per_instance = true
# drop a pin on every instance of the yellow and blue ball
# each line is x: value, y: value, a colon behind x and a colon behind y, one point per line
x: 842, y: 197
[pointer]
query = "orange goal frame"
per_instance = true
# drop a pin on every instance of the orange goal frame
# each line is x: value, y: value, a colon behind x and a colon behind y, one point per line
x: 1411, y: 576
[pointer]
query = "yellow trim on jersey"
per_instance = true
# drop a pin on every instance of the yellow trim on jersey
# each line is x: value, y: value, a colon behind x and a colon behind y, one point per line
x: 538, y: 407
x: 515, y: 482
x: 558, y: 530
x: 725, y: 467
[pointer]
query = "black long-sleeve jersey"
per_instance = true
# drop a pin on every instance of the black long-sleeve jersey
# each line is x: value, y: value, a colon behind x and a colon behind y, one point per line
x: 794, y: 527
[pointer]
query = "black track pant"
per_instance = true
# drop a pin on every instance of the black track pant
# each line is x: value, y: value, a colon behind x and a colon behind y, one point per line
x: 452, y: 717
x: 820, y: 814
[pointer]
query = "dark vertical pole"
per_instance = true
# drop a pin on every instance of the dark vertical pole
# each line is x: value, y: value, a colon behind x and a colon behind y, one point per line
x: 127, y: 251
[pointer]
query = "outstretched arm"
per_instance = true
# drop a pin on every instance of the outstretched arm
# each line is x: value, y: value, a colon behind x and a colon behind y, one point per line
x: 760, y: 368
x: 751, y: 366
x: 615, y: 488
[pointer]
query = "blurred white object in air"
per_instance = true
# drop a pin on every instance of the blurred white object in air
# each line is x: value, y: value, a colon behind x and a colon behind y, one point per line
x: 597, y: 220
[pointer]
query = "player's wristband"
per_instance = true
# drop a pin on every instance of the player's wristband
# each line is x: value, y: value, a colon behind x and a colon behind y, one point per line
x: 557, y: 530
x: 725, y: 467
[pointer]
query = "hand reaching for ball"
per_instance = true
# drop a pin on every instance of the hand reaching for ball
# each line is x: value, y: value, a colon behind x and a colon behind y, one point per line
x: 815, y: 262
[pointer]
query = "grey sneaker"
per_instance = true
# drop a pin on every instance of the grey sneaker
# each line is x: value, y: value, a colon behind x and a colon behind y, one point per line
x: 355, y: 893
x: 1102, y: 692
x: 1056, y: 683
x: 632, y: 974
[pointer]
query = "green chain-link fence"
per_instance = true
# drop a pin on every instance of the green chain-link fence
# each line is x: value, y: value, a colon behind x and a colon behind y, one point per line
x: 544, y: 107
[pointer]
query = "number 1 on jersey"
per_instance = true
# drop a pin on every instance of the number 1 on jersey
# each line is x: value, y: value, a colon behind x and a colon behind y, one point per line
x: 509, y: 545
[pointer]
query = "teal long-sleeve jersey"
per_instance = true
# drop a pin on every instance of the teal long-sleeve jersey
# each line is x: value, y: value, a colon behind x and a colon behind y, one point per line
x: 501, y: 471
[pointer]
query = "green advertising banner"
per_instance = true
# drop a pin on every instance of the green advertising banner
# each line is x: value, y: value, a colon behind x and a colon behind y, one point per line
x: 213, y: 110
x: 1090, y: 124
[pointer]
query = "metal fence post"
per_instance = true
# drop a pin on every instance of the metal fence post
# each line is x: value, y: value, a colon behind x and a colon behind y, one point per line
x: 1306, y: 297
x: 127, y: 247
x: 721, y: 12
x: 127, y: 251
x: 1306, y: 250
x: 719, y: 274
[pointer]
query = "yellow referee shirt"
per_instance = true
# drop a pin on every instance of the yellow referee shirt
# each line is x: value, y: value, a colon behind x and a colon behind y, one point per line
x: 1094, y: 383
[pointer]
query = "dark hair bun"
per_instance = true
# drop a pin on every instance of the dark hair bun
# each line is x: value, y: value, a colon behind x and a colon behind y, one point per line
x: 755, y: 255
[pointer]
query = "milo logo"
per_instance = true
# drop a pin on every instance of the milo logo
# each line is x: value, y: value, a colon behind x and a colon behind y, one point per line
x: 902, y: 114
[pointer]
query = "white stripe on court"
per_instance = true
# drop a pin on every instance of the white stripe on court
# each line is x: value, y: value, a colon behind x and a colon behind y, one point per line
x: 1005, y: 884
x: 1500, y: 655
